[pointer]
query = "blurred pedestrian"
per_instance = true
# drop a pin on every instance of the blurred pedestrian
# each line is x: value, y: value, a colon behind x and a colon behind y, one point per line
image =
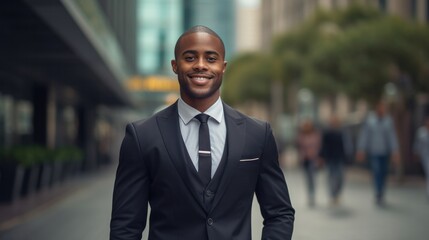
x: 334, y: 155
x: 421, y: 148
x: 378, y: 144
x: 198, y: 163
x: 308, y: 146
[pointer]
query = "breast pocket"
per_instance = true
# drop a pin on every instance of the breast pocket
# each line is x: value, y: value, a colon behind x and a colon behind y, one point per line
x: 249, y: 159
x: 249, y: 162
x: 247, y: 172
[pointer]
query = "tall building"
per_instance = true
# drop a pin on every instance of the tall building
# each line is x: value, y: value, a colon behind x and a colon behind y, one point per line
x: 159, y: 25
x: 121, y: 17
x: 248, y: 25
x: 218, y: 15
x: 63, y: 67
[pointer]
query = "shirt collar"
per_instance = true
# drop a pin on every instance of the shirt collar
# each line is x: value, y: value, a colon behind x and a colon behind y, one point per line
x: 187, y: 113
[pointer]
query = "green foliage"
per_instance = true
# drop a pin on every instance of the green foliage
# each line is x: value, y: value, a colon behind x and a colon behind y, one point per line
x: 28, y: 155
x: 25, y: 155
x: 360, y: 60
x: 248, y: 76
x: 67, y: 154
x: 355, y: 51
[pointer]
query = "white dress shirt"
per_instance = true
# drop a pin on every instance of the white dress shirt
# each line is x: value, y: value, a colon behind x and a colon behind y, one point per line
x: 189, y: 128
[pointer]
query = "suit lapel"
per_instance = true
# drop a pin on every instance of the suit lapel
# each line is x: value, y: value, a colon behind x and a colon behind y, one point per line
x: 169, y: 127
x: 235, y: 126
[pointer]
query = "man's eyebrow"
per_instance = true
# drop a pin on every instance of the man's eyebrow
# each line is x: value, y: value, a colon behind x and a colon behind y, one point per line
x: 212, y: 52
x: 195, y: 52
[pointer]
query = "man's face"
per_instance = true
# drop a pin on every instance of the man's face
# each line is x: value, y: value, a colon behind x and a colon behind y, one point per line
x: 199, y: 66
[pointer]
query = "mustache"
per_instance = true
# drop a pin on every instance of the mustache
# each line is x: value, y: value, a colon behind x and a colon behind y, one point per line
x: 200, y: 74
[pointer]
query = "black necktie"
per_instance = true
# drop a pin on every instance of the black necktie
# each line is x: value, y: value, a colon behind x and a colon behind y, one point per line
x: 204, y: 150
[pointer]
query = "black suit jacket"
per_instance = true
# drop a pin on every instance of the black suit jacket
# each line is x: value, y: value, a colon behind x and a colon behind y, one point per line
x: 152, y: 169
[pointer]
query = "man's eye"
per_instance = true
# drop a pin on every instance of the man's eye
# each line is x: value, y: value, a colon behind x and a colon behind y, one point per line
x: 189, y: 59
x: 211, y: 59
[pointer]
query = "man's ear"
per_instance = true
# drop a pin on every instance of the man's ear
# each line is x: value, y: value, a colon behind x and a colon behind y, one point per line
x: 224, y: 66
x: 174, y: 66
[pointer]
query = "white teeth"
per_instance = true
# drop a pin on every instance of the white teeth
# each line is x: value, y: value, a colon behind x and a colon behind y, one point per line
x: 200, y: 78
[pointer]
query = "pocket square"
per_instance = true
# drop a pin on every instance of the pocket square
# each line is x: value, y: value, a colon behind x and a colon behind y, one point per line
x: 249, y: 159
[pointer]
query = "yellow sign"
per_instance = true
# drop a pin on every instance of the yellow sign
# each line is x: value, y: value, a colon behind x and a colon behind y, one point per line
x: 152, y: 84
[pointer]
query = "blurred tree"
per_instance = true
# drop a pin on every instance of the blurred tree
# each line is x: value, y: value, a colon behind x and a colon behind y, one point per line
x: 355, y: 51
x: 365, y: 58
x: 248, y: 77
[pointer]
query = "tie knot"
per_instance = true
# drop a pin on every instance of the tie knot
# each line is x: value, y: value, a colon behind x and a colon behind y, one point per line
x: 202, y: 117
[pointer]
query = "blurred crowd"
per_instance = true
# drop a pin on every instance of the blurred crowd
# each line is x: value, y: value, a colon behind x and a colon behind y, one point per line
x: 332, y: 147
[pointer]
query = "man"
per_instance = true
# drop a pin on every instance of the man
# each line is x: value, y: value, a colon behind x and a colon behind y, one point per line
x: 333, y: 152
x: 308, y: 145
x: 161, y: 161
x: 378, y: 142
x: 421, y: 149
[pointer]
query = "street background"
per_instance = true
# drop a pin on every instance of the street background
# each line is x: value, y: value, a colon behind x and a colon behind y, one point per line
x: 73, y: 73
x: 83, y: 211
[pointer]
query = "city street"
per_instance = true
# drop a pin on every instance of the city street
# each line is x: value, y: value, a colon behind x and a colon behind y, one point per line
x: 84, y: 213
x: 84, y: 83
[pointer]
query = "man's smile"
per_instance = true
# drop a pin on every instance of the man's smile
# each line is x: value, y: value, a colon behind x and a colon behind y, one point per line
x: 199, y: 79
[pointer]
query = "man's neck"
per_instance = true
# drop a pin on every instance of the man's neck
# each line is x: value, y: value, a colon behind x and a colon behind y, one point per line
x: 201, y: 104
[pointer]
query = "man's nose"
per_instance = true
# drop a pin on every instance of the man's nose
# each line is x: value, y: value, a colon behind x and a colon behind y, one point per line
x: 200, y: 64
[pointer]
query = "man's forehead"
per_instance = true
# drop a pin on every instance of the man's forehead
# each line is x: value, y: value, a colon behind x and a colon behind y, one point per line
x: 202, y: 38
x: 199, y: 35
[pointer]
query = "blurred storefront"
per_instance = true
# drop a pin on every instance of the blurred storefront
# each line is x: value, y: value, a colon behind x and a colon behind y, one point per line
x: 63, y: 67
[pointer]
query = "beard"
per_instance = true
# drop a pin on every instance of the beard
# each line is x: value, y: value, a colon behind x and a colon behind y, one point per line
x: 194, y: 92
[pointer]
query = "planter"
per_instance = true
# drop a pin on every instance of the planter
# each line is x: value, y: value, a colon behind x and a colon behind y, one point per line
x: 11, y: 179
x: 57, y: 173
x: 68, y: 171
x: 31, y: 174
x: 45, y: 175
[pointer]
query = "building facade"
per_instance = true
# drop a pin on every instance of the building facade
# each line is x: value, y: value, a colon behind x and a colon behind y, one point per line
x: 63, y: 69
x: 218, y: 15
x: 248, y: 25
x: 159, y: 25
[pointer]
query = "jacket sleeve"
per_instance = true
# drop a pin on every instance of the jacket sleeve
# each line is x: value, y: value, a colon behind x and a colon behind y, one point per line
x: 130, y: 194
x: 362, y: 141
x: 272, y: 194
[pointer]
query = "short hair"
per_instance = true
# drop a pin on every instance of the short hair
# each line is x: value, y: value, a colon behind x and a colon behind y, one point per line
x: 195, y: 29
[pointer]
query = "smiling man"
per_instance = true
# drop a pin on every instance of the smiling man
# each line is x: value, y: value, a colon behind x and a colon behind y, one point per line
x: 198, y: 163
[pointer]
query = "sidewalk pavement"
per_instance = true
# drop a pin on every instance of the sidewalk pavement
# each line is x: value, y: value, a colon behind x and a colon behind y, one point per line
x: 403, y: 216
x: 85, y: 204
x: 41, y: 200
x: 24, y: 208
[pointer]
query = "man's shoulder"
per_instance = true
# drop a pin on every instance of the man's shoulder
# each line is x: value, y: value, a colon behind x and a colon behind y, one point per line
x: 237, y: 114
x: 151, y: 121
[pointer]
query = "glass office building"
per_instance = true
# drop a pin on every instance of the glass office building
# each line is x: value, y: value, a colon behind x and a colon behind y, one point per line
x: 218, y: 15
x: 159, y: 25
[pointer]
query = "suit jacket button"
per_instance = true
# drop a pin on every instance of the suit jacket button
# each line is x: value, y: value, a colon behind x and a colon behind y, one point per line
x: 210, y: 221
x: 209, y: 194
